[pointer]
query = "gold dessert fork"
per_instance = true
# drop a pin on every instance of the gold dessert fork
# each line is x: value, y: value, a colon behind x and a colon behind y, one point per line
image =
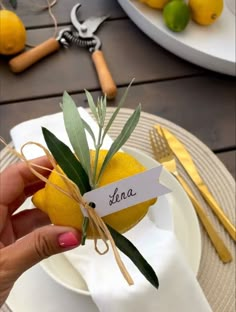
x: 165, y: 156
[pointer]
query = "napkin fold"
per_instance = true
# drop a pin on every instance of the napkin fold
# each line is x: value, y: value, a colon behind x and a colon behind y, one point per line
x: 179, y: 290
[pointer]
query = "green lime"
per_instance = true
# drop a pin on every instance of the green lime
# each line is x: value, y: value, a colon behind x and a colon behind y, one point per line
x: 176, y: 15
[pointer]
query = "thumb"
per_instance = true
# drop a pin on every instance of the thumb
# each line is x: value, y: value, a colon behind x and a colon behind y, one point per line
x: 36, y: 246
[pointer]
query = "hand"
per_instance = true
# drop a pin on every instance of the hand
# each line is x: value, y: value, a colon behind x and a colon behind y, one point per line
x: 39, y: 239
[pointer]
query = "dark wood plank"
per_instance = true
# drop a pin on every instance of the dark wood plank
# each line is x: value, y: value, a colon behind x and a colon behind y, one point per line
x: 129, y: 53
x: 33, y: 16
x: 202, y: 105
x: 205, y: 106
x: 229, y: 160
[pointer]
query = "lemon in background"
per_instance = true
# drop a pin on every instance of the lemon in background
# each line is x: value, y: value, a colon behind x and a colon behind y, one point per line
x: 12, y: 33
x: 63, y: 210
x: 176, y: 15
x: 155, y: 4
x: 206, y: 12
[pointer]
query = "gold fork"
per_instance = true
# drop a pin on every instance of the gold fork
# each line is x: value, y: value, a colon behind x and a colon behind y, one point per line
x: 165, y: 156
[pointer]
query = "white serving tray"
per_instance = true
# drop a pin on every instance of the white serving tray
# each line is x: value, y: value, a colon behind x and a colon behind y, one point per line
x: 212, y: 47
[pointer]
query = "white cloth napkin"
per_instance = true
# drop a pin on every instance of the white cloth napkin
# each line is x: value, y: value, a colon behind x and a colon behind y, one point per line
x: 30, y: 130
x: 179, y: 290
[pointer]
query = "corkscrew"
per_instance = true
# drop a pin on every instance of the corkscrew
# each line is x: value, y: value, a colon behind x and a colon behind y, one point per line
x: 79, y: 34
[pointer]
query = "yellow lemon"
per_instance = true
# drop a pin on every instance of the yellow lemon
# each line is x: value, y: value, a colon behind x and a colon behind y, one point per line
x: 64, y: 211
x: 206, y: 12
x: 155, y: 4
x: 12, y: 33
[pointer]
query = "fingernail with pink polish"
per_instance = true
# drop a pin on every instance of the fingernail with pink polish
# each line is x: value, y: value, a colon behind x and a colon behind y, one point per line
x: 68, y: 239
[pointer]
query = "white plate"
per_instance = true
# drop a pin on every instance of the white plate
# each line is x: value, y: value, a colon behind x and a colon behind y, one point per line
x: 212, y: 47
x: 173, y: 212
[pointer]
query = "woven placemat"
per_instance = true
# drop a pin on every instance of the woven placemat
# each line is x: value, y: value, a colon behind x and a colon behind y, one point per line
x: 216, y: 279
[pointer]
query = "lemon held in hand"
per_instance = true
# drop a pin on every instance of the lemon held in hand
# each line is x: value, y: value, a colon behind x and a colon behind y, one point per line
x: 176, y: 15
x: 206, y: 12
x: 12, y: 33
x: 64, y: 211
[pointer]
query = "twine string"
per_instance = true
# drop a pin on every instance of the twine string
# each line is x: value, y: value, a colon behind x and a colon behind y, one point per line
x: 48, y: 7
x: 2, y: 7
x: 97, y: 225
x: 42, y: 8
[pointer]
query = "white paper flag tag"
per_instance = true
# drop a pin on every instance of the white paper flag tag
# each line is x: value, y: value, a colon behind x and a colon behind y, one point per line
x: 126, y: 192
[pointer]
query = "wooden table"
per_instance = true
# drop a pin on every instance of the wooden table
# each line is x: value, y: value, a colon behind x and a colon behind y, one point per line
x: 201, y: 101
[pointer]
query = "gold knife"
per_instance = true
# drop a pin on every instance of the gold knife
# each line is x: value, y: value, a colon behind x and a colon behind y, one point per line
x: 218, y: 243
x: 186, y: 161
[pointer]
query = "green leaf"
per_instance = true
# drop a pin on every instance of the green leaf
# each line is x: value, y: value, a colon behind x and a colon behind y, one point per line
x: 102, y: 106
x: 84, y: 230
x: 91, y: 104
x: 100, y: 113
x: 75, y: 131
x: 121, y: 103
x: 13, y: 3
x: 122, y: 138
x: 67, y: 161
x: 135, y: 256
x: 90, y: 131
